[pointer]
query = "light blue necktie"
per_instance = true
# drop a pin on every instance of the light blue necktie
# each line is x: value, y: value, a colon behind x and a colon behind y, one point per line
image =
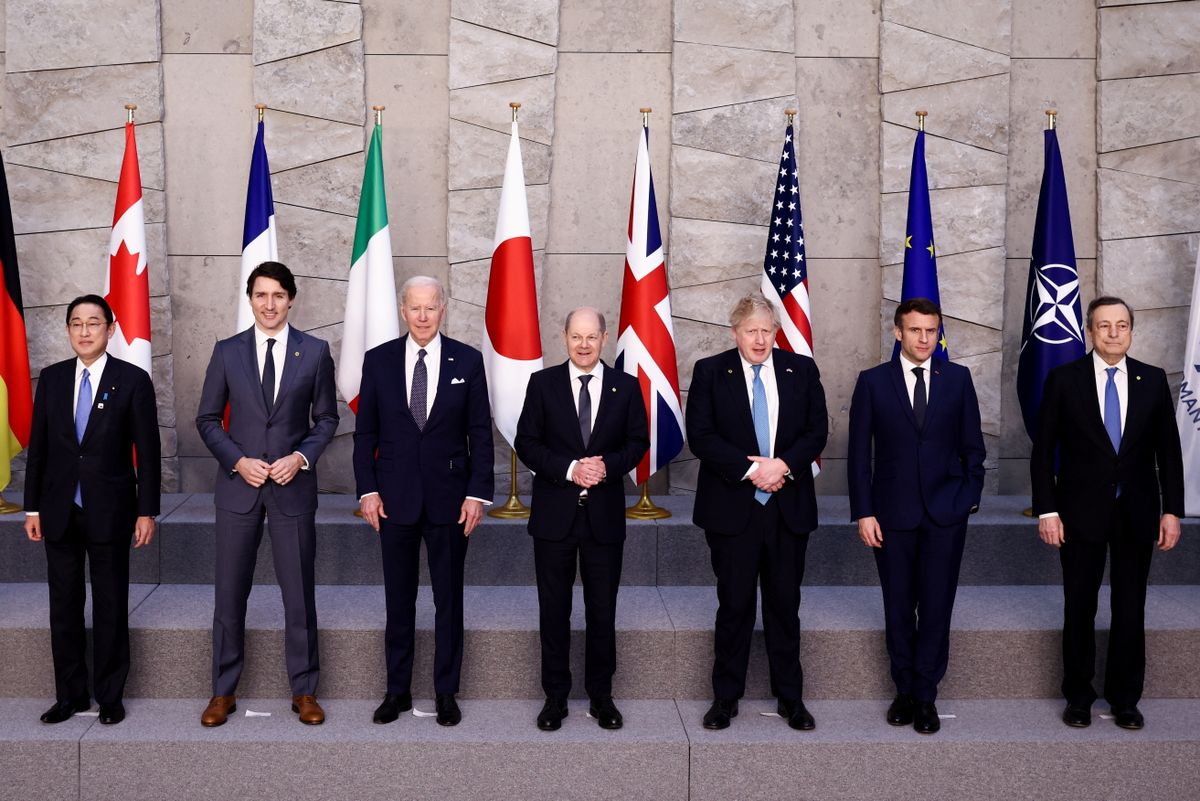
x: 762, y: 427
x: 1112, y: 413
x: 83, y: 410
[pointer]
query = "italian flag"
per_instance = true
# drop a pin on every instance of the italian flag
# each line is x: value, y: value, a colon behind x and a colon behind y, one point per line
x: 371, y: 316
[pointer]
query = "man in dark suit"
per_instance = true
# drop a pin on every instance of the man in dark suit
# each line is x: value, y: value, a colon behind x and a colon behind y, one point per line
x: 84, y: 497
x: 920, y: 416
x: 423, y: 453
x: 756, y: 419
x: 582, y: 428
x: 273, y: 378
x: 1106, y: 445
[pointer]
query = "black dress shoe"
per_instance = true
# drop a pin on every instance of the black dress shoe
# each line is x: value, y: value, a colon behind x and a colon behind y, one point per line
x: 606, y: 713
x: 393, y: 704
x: 112, y: 713
x: 552, y: 714
x: 63, y: 710
x: 1077, y: 716
x: 795, y: 714
x: 925, y: 718
x: 1129, y: 718
x: 448, y: 713
x: 900, y: 713
x: 719, y: 714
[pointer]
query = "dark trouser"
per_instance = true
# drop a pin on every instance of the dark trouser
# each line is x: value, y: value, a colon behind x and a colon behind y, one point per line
x: 918, y: 573
x: 446, y: 549
x: 1083, y: 572
x: 293, y: 546
x: 600, y: 569
x: 767, y: 552
x: 109, y: 567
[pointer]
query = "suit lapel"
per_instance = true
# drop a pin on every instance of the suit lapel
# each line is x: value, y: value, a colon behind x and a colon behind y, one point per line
x: 249, y: 355
x: 896, y: 371
x: 784, y: 376
x: 446, y: 367
x: 734, y: 379
x: 1094, y: 414
x: 1139, y: 404
x: 604, y: 412
x: 288, y: 361
x: 934, y: 400
x: 566, y: 392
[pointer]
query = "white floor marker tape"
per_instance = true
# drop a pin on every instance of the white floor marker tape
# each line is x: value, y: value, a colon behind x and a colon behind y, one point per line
x: 252, y: 714
x: 417, y: 713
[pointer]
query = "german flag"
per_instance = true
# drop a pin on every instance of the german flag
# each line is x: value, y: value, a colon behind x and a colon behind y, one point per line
x: 16, y: 397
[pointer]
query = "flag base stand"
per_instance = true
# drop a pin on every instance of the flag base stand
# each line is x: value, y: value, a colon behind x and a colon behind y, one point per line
x: 1028, y: 511
x: 645, y: 509
x: 512, y: 509
x: 8, y: 507
x: 358, y: 513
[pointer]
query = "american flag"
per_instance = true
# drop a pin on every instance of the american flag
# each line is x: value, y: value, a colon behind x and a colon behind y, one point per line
x: 785, y: 272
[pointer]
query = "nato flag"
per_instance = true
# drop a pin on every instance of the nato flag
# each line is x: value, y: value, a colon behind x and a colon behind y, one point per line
x: 1052, y: 333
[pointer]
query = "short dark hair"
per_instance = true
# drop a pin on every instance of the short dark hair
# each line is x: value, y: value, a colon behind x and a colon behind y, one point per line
x: 276, y: 270
x: 918, y: 305
x: 95, y: 300
x: 1107, y: 300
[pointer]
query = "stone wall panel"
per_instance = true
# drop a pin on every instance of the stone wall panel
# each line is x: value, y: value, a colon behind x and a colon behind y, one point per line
x: 751, y: 24
x: 286, y: 28
x: 752, y: 130
x: 747, y: 186
x: 704, y: 251
x: 333, y: 185
x: 495, y: 56
x: 479, y: 156
x: 49, y: 201
x: 615, y: 26
x: 1159, y: 337
x: 1146, y: 111
x: 1054, y: 29
x: 207, y: 26
x: 1151, y: 272
x: 74, y: 33
x: 955, y: 61
x: 983, y: 23
x: 1174, y: 161
x: 710, y: 303
x: 294, y: 140
x: 847, y: 29
x: 57, y: 103
x: 706, y: 76
x: 948, y: 163
x: 969, y: 218
x: 326, y: 83
x: 320, y: 302
x: 487, y: 105
x: 1149, y: 40
x: 973, y: 112
x: 528, y: 19
x: 971, y: 285
x: 1140, y: 205
x: 406, y: 27
x: 96, y: 155
x: 314, y: 242
x: 471, y: 221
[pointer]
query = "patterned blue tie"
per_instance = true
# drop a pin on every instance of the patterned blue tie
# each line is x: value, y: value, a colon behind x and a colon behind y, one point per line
x: 1112, y: 413
x: 762, y: 426
x: 418, y: 397
x: 83, y: 410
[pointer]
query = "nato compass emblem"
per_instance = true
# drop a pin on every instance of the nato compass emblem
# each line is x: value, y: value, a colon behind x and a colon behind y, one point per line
x: 1054, y: 308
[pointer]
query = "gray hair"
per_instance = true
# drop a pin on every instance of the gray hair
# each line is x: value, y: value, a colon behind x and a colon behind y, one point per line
x: 750, y: 305
x: 1107, y: 300
x: 423, y: 280
x: 599, y: 316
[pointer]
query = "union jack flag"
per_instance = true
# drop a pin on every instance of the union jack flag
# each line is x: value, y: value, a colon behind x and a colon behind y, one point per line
x: 785, y: 272
x: 645, y: 340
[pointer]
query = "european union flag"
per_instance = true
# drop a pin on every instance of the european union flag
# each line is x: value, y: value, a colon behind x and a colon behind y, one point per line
x: 920, y: 257
x: 1052, y: 333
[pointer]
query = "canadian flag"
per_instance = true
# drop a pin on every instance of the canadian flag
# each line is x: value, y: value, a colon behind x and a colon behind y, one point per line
x: 127, y: 284
x: 512, y: 340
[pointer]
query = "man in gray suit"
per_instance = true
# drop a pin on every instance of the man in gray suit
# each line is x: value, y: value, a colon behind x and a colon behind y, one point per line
x: 273, y: 379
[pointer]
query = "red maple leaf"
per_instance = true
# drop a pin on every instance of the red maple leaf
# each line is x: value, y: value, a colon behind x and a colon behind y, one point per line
x: 129, y: 294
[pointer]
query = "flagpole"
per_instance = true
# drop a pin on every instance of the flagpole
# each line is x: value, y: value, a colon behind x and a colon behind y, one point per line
x: 261, y: 107
x: 129, y: 109
x: 921, y: 115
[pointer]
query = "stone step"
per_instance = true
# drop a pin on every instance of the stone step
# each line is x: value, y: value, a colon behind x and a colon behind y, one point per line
x: 1002, y: 549
x: 987, y: 749
x: 664, y: 640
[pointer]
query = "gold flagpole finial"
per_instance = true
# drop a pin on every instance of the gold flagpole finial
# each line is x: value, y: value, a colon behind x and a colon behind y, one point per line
x: 516, y: 107
x: 129, y: 109
x: 378, y: 114
x: 790, y: 113
x: 1051, y: 118
x: 645, y: 111
x: 262, y: 107
x: 921, y: 115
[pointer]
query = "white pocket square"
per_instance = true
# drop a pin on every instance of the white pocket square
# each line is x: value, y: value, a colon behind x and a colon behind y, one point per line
x: 458, y: 380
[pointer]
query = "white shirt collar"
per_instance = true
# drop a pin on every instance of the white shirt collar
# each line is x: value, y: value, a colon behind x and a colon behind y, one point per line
x: 1099, y: 365
x: 261, y: 337
x: 432, y: 351
x: 597, y: 371
x: 95, y: 370
x: 909, y: 365
x: 768, y: 365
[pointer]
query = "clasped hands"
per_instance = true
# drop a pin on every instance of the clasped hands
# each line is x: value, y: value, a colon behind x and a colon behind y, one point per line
x: 589, y: 471
x: 256, y: 472
x: 770, y: 474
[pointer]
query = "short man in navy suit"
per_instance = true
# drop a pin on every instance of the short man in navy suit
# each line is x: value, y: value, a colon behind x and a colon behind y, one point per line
x: 278, y: 384
x: 423, y: 466
x: 919, y: 416
x: 582, y: 428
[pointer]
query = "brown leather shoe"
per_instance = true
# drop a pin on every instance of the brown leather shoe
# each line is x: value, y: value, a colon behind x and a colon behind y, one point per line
x: 218, y: 711
x: 310, y: 711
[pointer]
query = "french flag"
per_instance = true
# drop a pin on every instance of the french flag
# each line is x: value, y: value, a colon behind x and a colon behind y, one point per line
x: 258, y: 235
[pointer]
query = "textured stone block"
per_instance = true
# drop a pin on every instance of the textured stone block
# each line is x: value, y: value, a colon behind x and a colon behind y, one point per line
x: 595, y: 147
x: 395, y: 27
x: 837, y: 30
x: 70, y: 33
x: 333, y: 185
x: 464, y: 322
x: 984, y: 23
x: 1161, y: 337
x: 286, y: 28
x: 487, y: 105
x: 956, y: 61
x: 750, y: 24
x: 840, y: 196
x: 747, y: 186
x: 704, y: 251
x: 571, y: 280
x: 615, y: 26
x: 711, y: 303
x: 1070, y: 87
x: 529, y: 19
x: 46, y: 333
x: 162, y: 373
x: 468, y: 281
x: 947, y: 163
x: 971, y: 285
x: 1175, y: 161
x: 695, y: 340
x: 480, y: 55
x: 326, y: 83
x: 706, y: 76
x: 319, y: 302
x: 294, y: 140
x: 1149, y: 40
x: 160, y: 323
x: 973, y: 112
x: 49, y: 201
x: 1140, y: 205
x: 317, y: 243
x: 1054, y: 28
x: 406, y: 267
x: 96, y: 155
x: 471, y: 221
x: 1145, y: 111
x: 753, y: 130
x: 53, y: 104
x: 1151, y: 272
x: 477, y: 156
x: 200, y: 89
x: 968, y: 218
x: 61, y: 265
x: 213, y: 26
x: 985, y: 374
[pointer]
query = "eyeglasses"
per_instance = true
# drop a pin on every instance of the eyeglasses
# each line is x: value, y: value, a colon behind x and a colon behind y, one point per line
x: 78, y: 327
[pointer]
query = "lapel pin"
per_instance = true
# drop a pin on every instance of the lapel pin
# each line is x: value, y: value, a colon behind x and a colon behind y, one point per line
x: 787, y: 369
x: 729, y: 371
x: 1137, y: 378
x: 614, y: 389
x: 297, y: 353
x: 100, y: 405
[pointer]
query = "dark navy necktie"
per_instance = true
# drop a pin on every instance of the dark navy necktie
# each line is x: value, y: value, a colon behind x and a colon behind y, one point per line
x: 268, y: 377
x: 420, y: 391
x: 585, y: 409
x: 920, y: 397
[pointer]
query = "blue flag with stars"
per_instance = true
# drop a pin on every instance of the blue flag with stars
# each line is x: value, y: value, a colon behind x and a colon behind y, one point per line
x: 920, y: 256
x: 1052, y: 333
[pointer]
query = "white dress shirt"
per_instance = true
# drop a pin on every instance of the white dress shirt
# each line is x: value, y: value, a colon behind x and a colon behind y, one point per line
x: 260, y: 350
x: 433, y: 368
x: 910, y: 378
x: 1120, y: 378
x: 767, y: 375
x: 593, y: 389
